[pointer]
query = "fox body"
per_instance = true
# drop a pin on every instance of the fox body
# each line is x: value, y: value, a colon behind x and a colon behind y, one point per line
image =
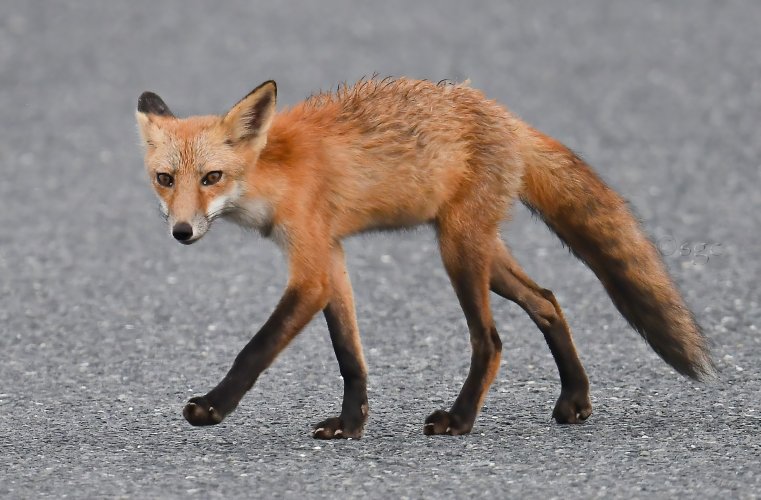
x: 386, y: 154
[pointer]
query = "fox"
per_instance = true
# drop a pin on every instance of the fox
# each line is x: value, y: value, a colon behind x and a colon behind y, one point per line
x: 392, y: 154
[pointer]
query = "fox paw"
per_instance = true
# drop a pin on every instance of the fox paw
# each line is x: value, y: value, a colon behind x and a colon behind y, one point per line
x: 444, y: 422
x: 200, y: 411
x: 336, y: 428
x: 572, y: 407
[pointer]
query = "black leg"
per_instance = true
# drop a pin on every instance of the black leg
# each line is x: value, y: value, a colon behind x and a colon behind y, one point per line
x: 344, y: 334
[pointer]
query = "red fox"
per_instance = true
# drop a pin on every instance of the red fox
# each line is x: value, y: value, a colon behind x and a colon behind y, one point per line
x: 395, y: 153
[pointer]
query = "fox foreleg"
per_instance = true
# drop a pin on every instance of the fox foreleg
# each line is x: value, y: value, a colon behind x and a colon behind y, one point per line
x: 307, y: 293
x: 344, y: 334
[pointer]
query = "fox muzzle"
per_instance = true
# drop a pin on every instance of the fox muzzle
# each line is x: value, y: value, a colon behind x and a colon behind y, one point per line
x: 183, y: 232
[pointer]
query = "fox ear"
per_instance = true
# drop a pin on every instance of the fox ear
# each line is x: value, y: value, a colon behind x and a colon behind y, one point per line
x: 148, y: 106
x: 151, y: 104
x: 250, y: 119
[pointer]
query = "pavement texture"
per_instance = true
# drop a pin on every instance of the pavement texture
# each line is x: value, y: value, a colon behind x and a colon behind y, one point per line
x: 107, y: 326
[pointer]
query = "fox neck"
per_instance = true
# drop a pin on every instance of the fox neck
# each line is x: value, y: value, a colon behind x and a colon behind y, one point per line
x: 266, y: 185
x: 254, y: 213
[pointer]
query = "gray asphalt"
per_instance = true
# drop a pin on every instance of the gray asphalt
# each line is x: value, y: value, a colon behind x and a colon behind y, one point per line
x: 107, y: 326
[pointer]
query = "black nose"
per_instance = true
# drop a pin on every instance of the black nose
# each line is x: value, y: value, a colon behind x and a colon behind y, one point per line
x: 182, y: 231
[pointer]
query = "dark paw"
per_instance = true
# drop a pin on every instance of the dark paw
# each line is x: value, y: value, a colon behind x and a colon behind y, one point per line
x: 444, y: 422
x: 199, y: 411
x: 573, y: 407
x: 336, y: 428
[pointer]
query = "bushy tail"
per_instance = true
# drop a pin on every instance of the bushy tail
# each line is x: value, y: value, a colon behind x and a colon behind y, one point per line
x: 594, y: 221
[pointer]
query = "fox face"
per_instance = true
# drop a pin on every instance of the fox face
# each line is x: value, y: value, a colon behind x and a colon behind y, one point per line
x: 197, y: 165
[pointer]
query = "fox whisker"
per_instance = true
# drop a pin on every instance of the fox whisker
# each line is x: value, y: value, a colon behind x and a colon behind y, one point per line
x: 162, y: 213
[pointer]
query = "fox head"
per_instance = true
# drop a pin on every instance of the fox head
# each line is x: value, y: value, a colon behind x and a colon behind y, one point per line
x: 197, y: 164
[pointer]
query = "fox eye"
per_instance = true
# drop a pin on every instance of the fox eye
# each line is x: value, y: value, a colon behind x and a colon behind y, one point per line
x: 165, y: 180
x: 211, y: 178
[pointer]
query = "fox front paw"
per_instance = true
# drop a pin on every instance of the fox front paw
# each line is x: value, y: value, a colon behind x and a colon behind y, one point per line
x: 199, y: 411
x: 336, y: 428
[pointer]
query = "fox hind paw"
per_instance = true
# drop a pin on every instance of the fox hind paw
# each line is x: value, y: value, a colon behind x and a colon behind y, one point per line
x: 572, y: 408
x: 444, y: 422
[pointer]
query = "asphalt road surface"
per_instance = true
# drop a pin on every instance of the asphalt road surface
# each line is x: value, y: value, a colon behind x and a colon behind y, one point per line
x: 107, y: 326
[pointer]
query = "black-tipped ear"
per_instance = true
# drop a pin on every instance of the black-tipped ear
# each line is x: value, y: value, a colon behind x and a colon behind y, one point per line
x: 251, y: 117
x: 151, y: 104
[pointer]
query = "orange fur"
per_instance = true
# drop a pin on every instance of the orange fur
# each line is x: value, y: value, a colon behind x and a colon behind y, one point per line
x: 386, y: 154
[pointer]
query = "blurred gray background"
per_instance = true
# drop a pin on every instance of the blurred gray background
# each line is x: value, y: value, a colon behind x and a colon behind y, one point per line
x: 107, y: 326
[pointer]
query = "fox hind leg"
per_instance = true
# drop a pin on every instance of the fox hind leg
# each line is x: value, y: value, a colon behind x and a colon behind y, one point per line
x: 466, y: 254
x: 512, y: 283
